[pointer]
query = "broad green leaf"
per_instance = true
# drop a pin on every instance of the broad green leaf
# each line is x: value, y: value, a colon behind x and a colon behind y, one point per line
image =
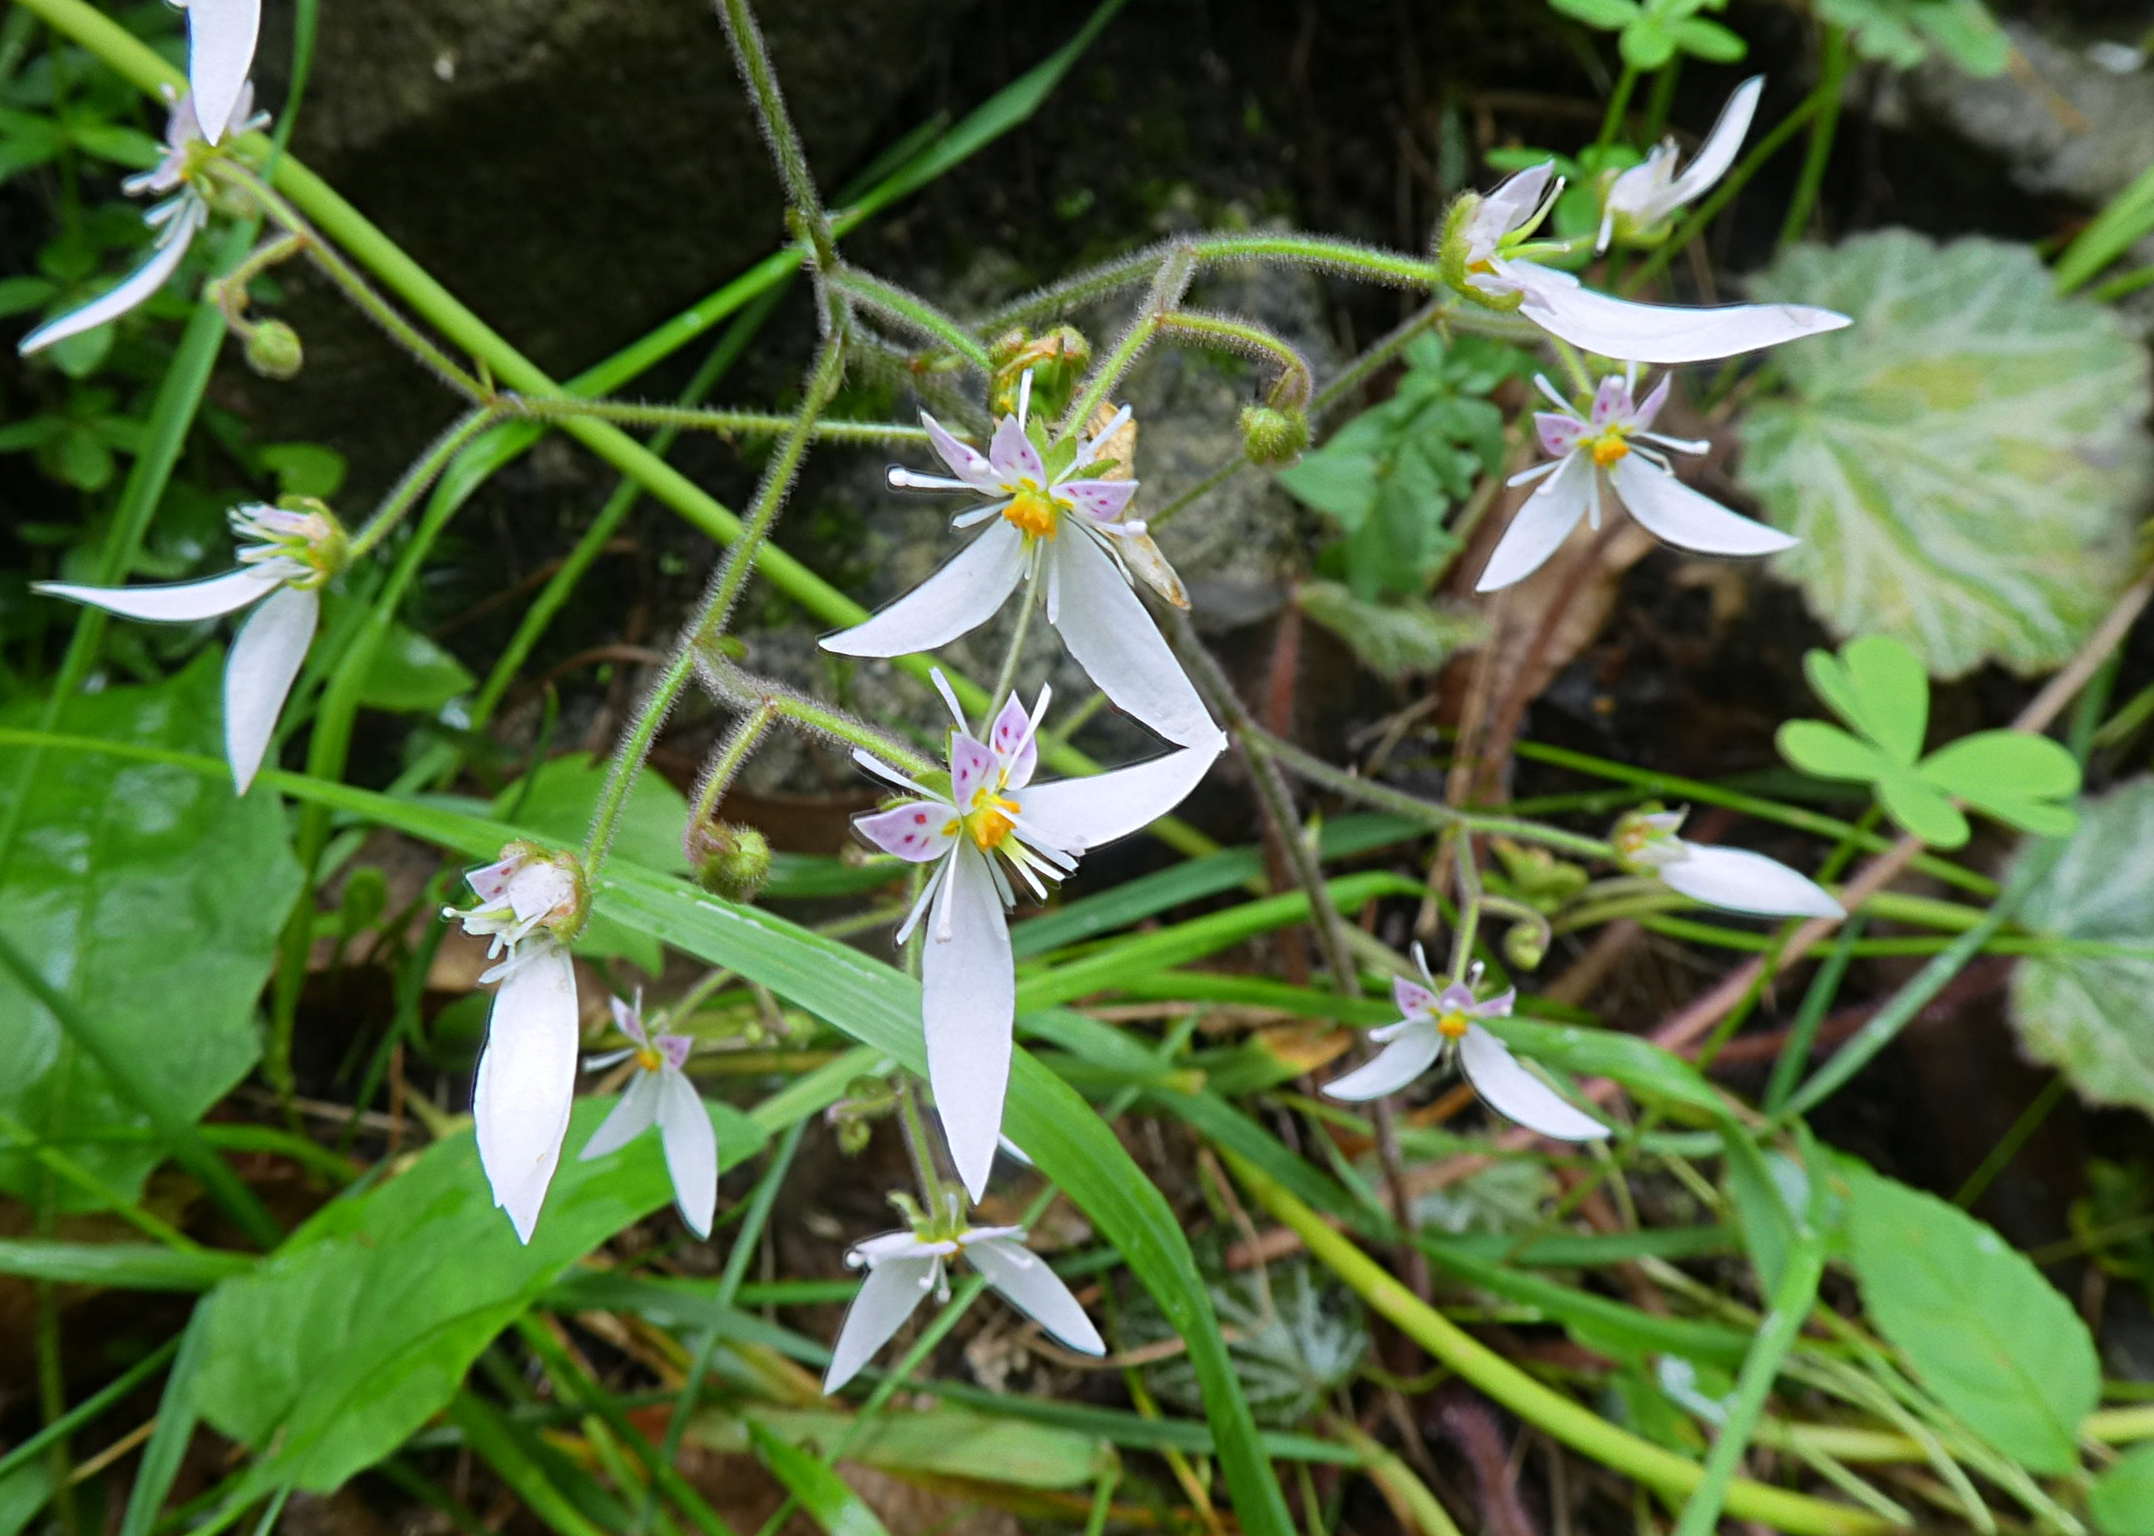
x: 1965, y: 463
x: 2013, y: 775
x: 1997, y: 1343
x: 2086, y: 1015
x: 413, y: 675
x: 152, y: 898
x: 361, y: 1326
x: 830, y: 1503
x: 2122, y: 1498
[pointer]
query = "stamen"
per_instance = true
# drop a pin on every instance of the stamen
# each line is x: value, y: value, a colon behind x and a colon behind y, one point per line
x: 978, y: 515
x: 902, y: 479
x: 1453, y: 1025
x: 1091, y: 446
x: 949, y: 696
x: 1541, y: 383
x: 884, y: 771
x: 1024, y: 398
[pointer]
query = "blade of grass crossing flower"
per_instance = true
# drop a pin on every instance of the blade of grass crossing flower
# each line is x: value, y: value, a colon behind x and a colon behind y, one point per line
x: 816, y: 1484
x: 119, y: 1266
x: 176, y: 1419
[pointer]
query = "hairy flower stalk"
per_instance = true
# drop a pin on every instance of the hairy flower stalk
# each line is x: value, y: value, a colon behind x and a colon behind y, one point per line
x: 280, y: 577
x: 908, y: 1266
x: 177, y: 220
x: 991, y: 823
x: 1051, y: 525
x: 531, y: 905
x: 1609, y: 446
x: 1441, y: 1023
x: 1640, y: 201
x: 661, y: 1095
x: 1733, y: 879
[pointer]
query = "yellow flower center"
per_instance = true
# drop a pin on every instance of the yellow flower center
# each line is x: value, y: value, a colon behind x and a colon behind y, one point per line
x: 989, y: 820
x: 1453, y: 1025
x: 647, y: 1057
x: 1033, y: 511
x: 1609, y: 446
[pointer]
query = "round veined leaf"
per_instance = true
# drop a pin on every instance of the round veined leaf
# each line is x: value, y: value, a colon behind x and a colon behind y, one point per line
x: 2121, y: 1500
x: 2013, y: 776
x: 2086, y: 1015
x: 1878, y: 686
x: 1922, y: 809
x: 1964, y: 463
x: 1827, y: 752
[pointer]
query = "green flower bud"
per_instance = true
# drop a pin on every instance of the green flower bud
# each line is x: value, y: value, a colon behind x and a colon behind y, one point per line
x: 273, y: 350
x: 1525, y: 946
x: 1056, y: 360
x: 1272, y: 436
x: 730, y: 860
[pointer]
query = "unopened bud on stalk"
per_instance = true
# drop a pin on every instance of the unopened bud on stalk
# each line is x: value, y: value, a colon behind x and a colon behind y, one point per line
x: 1057, y: 359
x: 1525, y: 946
x: 1271, y: 436
x: 731, y: 861
x: 273, y: 350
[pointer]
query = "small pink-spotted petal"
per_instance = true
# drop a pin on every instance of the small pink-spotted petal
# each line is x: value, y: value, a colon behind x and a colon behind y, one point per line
x: 1015, y: 743
x: 627, y: 1016
x: 1558, y: 433
x: 1456, y: 997
x: 1611, y: 402
x: 491, y: 884
x: 1497, y: 1007
x: 916, y: 831
x: 676, y: 1049
x: 1013, y: 456
x: 965, y: 461
x: 1414, y: 1000
x: 972, y: 765
x: 1103, y: 499
x: 1642, y: 418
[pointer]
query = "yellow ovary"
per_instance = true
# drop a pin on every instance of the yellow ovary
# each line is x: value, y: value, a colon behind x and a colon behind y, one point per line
x: 989, y: 821
x: 1453, y: 1025
x: 1033, y: 511
x: 647, y: 1057
x: 1608, y: 447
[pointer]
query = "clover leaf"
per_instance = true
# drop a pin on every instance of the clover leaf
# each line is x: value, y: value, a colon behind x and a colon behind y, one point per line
x: 1878, y: 688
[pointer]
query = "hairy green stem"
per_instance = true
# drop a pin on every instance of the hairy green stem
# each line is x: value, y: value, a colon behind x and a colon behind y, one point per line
x: 657, y: 416
x: 753, y: 60
x: 1229, y: 333
x: 1168, y: 285
x: 882, y: 297
x: 414, y: 482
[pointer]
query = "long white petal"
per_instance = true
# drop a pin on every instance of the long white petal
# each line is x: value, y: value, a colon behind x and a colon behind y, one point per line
x: 968, y: 1000
x: 1113, y: 638
x: 1659, y: 333
x: 886, y: 1298
x: 220, y: 53
x: 265, y: 658
x: 1671, y: 511
x: 631, y: 1117
x: 1399, y: 1063
x: 1516, y: 1094
x: 961, y: 596
x: 1076, y: 814
x: 527, y: 1082
x: 1717, y: 153
x: 1027, y: 1284
x: 691, y: 1149
x: 133, y: 289
x: 1540, y: 525
x: 1738, y: 880
x: 176, y: 603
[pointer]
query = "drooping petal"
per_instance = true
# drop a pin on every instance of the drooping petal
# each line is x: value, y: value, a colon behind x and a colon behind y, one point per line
x: 1542, y: 523
x: 1738, y: 880
x: 691, y: 1146
x: 176, y: 603
x: 1076, y: 814
x: 1674, y: 513
x: 968, y: 999
x: 917, y: 831
x: 1414, y: 1000
x: 1027, y: 1284
x: 1013, y: 456
x: 132, y: 290
x: 886, y: 1298
x: 1516, y: 1094
x: 973, y: 764
x: 1410, y: 1053
x: 1658, y: 333
x: 1113, y: 638
x: 960, y: 597
x: 631, y: 1117
x: 965, y: 461
x: 1103, y: 499
x: 527, y: 1081
x: 1717, y: 153
x: 265, y: 658
x: 220, y: 53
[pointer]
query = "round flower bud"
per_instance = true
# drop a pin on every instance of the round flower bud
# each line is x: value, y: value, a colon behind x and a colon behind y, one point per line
x: 1525, y: 946
x: 1272, y: 436
x: 732, y: 861
x: 273, y: 350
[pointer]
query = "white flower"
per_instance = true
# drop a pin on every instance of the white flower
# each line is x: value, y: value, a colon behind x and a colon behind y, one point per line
x: 1440, y: 1023
x: 300, y: 550
x: 905, y: 1268
x: 1493, y: 264
x: 994, y: 821
x: 220, y: 54
x: 530, y: 904
x: 1640, y: 200
x: 661, y: 1095
x: 1063, y: 533
x: 1608, y: 445
x: 1734, y: 879
x: 177, y: 220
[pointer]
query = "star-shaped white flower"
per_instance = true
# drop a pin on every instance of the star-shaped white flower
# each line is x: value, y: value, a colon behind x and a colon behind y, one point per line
x: 220, y: 54
x: 1733, y: 879
x: 530, y: 904
x: 1609, y: 445
x: 280, y: 577
x: 1494, y: 263
x: 993, y: 822
x: 905, y: 1268
x: 177, y: 220
x: 661, y: 1095
x: 1439, y: 1023
x: 1639, y: 201
x: 1064, y: 532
